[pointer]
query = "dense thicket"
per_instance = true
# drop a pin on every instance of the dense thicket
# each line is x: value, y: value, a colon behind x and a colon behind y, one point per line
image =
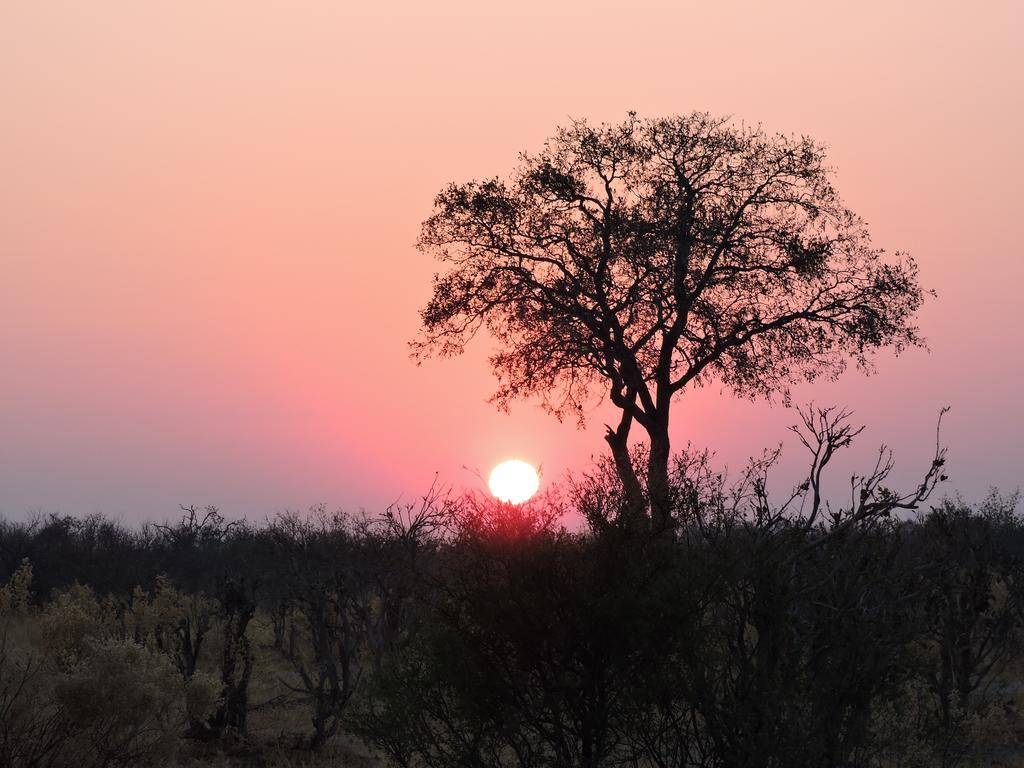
x: 460, y: 632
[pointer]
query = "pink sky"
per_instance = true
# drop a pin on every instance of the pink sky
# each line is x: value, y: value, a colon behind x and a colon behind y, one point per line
x: 208, y: 210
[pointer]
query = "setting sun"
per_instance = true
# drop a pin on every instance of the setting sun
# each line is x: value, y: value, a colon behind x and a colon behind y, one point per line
x: 513, y: 481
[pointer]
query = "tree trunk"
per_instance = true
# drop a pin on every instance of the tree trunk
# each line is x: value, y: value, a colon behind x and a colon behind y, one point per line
x: 657, y: 477
x: 618, y: 441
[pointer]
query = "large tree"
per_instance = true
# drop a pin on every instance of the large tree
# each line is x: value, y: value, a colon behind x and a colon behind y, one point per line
x: 637, y: 259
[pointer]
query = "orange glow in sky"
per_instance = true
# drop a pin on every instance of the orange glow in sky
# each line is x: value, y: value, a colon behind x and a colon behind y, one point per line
x: 208, y: 211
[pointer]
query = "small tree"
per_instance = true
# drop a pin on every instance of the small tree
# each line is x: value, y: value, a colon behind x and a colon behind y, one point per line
x: 320, y: 573
x: 973, y: 602
x: 649, y: 256
x: 237, y: 607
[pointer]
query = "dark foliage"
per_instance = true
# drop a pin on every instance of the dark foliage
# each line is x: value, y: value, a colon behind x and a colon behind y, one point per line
x: 640, y: 259
x: 463, y: 632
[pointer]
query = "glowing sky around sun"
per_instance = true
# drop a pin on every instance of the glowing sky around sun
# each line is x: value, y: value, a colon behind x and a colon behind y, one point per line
x: 513, y: 481
x: 207, y: 212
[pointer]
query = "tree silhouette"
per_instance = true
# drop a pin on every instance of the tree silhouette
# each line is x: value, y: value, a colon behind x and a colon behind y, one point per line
x: 642, y: 258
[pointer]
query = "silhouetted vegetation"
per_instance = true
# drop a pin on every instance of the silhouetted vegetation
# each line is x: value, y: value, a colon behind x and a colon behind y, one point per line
x: 462, y: 632
x: 640, y: 259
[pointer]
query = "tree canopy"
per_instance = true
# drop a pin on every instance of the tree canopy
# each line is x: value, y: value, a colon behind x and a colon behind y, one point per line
x: 637, y: 259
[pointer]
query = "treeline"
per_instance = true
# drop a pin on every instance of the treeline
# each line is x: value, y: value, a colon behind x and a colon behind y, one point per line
x: 462, y: 632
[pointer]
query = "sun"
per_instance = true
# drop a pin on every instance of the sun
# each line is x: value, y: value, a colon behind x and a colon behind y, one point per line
x: 513, y: 481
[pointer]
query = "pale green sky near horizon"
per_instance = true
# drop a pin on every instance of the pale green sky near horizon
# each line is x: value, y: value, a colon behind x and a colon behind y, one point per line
x: 208, y: 210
